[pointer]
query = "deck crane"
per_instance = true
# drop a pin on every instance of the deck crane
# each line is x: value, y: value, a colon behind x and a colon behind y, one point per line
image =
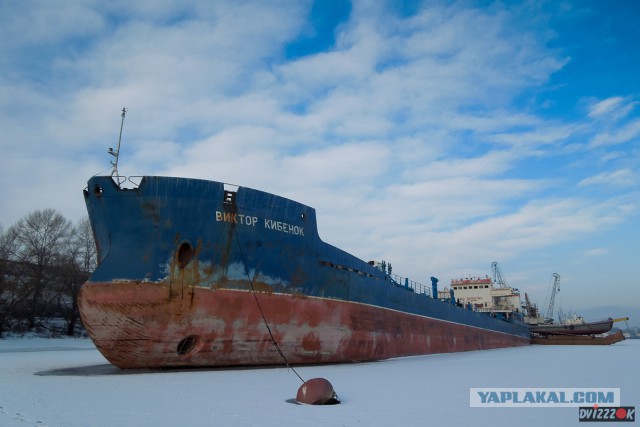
x: 555, y: 288
x: 497, y: 275
x: 531, y: 310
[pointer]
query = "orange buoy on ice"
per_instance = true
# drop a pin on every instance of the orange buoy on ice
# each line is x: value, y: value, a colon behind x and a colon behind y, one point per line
x: 317, y: 391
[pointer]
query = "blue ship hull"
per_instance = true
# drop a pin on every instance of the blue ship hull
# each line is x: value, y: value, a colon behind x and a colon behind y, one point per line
x: 191, y: 274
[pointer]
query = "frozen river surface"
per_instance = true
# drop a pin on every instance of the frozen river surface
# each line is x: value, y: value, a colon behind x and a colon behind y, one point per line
x: 67, y: 382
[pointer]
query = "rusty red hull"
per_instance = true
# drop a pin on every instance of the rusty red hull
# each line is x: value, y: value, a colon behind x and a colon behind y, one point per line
x: 142, y: 325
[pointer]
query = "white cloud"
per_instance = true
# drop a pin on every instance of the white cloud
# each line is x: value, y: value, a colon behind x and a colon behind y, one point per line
x: 607, y: 107
x: 596, y: 252
x: 503, y: 237
x: 622, y: 134
x: 32, y: 26
x: 621, y: 177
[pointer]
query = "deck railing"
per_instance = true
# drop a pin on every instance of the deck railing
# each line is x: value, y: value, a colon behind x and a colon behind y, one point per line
x: 405, y: 282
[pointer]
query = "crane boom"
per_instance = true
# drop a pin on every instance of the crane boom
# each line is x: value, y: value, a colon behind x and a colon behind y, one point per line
x: 531, y: 310
x: 620, y: 319
x: 555, y: 288
x: 497, y: 275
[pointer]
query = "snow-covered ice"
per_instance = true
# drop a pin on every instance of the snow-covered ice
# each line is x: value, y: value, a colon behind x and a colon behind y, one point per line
x: 66, y: 382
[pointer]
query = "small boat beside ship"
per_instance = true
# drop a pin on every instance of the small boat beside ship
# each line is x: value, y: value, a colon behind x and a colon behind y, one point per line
x: 573, y: 330
x: 574, y: 326
x: 576, y: 331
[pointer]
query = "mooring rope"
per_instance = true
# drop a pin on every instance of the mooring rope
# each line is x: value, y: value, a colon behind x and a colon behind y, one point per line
x: 264, y: 319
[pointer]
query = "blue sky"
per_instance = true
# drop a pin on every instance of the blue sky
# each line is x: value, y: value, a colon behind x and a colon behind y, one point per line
x: 439, y: 136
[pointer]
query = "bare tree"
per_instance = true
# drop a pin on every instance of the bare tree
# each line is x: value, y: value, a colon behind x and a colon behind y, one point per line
x: 44, y: 261
x: 8, y: 288
x: 14, y: 293
x: 75, y: 267
x: 39, y: 241
x: 85, y: 246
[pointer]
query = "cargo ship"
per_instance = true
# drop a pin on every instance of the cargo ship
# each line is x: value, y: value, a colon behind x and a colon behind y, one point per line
x: 201, y: 273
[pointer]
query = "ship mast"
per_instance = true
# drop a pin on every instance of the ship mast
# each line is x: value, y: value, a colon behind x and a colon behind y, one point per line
x: 116, y: 153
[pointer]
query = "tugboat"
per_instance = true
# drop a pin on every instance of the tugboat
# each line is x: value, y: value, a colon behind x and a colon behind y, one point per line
x: 574, y: 326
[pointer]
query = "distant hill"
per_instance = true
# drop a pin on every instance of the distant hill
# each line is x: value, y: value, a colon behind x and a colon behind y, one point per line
x: 597, y: 313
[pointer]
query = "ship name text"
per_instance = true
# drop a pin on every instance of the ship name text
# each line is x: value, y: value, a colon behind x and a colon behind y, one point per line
x: 252, y: 221
x: 270, y: 224
x: 236, y: 218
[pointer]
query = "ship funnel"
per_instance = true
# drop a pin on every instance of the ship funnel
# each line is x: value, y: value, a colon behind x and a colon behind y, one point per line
x: 434, y: 287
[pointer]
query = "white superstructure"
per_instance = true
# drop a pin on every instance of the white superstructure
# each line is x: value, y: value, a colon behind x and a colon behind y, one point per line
x: 483, y: 296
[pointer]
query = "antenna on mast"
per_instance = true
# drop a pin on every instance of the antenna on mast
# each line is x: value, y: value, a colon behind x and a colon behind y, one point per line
x: 116, y: 153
